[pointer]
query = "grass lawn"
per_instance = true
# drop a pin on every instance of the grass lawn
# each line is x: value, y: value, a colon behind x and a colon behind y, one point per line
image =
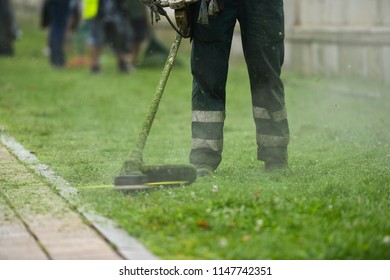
x: 333, y: 203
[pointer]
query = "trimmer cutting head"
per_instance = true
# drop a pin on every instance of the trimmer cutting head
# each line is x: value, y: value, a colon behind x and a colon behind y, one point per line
x: 157, y: 175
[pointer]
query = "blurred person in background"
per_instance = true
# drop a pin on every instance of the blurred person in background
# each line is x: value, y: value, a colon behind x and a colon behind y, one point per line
x: 55, y: 16
x: 8, y: 28
x: 111, y: 26
x: 123, y: 25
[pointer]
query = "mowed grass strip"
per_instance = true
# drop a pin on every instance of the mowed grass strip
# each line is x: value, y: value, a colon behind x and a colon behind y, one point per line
x: 333, y: 203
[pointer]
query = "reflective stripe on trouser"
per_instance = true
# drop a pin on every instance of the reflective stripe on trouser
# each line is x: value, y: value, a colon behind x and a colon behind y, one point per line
x: 207, y: 137
x: 262, y: 34
x: 272, y: 135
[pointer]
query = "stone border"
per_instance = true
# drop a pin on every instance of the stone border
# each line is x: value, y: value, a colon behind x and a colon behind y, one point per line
x: 128, y: 247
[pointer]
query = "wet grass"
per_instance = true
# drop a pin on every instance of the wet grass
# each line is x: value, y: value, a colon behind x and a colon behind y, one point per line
x: 333, y: 203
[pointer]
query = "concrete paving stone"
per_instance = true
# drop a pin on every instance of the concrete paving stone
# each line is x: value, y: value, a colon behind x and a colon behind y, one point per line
x: 16, y: 243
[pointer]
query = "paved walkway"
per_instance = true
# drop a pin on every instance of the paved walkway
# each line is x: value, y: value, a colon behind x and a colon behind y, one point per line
x: 37, y: 222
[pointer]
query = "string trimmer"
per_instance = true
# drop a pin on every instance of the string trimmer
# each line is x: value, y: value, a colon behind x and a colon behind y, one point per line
x: 134, y: 173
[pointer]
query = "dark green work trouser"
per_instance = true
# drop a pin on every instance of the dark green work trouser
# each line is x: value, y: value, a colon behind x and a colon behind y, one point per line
x: 262, y: 34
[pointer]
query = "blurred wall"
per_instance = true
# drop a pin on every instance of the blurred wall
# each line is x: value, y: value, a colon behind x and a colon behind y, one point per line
x: 332, y: 37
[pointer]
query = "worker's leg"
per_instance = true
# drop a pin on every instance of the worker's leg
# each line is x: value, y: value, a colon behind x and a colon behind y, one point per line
x: 209, y: 65
x: 262, y: 37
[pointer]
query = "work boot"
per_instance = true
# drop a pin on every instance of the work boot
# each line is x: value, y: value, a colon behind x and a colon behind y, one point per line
x: 270, y: 166
x: 125, y: 67
x: 204, y: 170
